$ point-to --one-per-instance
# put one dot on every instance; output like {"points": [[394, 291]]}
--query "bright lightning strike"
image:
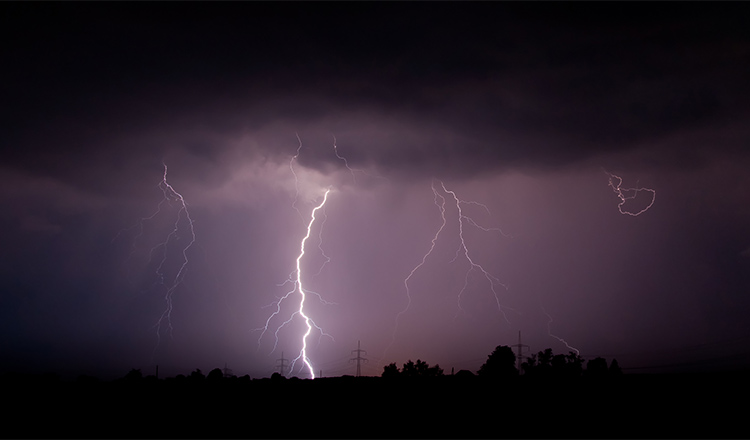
{"points": [[296, 277], [625, 194], [301, 290]]}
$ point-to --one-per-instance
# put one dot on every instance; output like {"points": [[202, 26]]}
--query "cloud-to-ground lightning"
{"points": [[182, 226], [296, 278], [441, 207], [300, 289], [440, 201], [320, 244], [171, 193], [549, 332], [625, 194]]}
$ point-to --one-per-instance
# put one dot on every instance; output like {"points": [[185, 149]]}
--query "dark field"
{"points": [[630, 406]]}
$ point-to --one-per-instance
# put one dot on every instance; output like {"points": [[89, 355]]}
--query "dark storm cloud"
{"points": [[463, 89]]}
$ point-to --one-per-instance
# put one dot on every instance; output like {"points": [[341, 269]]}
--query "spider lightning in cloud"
{"points": [[625, 194]]}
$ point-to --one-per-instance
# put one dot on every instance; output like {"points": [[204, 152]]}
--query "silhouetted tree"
{"points": [[558, 364], [573, 365], [134, 374], [545, 359], [546, 363], [418, 369], [434, 371], [215, 374], [500, 363], [196, 375], [86, 379], [538, 364], [529, 365], [596, 367], [409, 369], [390, 371], [614, 368]]}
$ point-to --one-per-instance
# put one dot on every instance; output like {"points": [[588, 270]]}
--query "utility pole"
{"points": [[282, 364], [358, 359], [227, 371], [520, 352]]}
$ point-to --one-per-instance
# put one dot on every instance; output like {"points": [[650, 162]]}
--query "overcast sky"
{"points": [[524, 112]]}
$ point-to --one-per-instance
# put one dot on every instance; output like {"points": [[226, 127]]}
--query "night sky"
{"points": [[520, 110]]}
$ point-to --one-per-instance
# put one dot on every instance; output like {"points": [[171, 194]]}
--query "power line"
{"points": [[520, 351], [282, 364], [359, 358], [227, 371]]}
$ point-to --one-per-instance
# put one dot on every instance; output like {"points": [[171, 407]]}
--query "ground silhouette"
{"points": [[559, 400]]}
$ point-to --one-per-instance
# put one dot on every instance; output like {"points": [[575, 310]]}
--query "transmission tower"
{"points": [[359, 358], [282, 364], [227, 371], [520, 352]]}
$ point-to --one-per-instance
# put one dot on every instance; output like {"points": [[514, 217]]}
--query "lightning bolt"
{"points": [[343, 159], [308, 322], [352, 170], [320, 246], [183, 222], [440, 201], [171, 194], [296, 180], [549, 332], [491, 279], [441, 207], [298, 288], [625, 194], [296, 279]]}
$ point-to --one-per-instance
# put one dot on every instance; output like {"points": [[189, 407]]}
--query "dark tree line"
{"points": [[501, 363], [197, 375], [411, 369], [546, 363]]}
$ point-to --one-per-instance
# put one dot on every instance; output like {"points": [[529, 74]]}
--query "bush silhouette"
{"points": [[500, 363], [412, 370]]}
